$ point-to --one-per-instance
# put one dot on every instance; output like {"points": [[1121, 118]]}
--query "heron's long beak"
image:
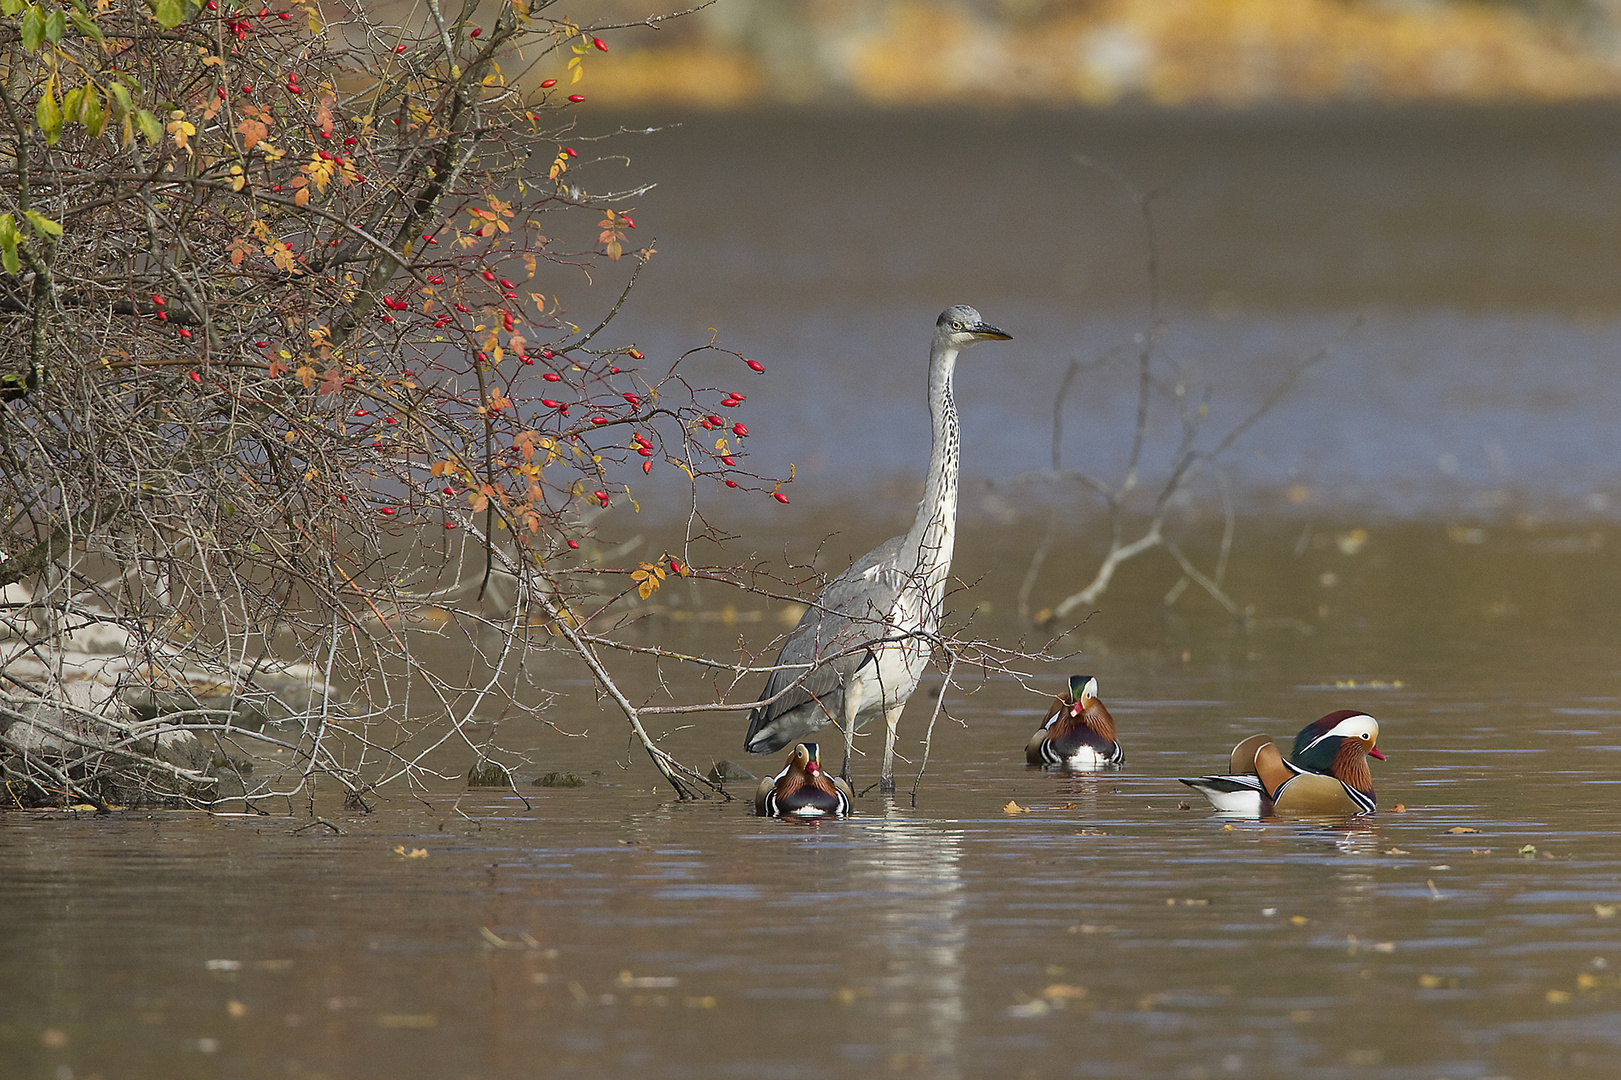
{"points": [[986, 332]]}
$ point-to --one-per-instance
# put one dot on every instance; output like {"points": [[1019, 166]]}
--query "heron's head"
{"points": [[961, 326]]}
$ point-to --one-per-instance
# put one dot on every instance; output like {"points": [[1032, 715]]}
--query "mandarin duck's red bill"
{"points": [[1326, 775], [1077, 733], [802, 789]]}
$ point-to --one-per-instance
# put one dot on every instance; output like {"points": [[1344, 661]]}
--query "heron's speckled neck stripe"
{"points": [[928, 547]]}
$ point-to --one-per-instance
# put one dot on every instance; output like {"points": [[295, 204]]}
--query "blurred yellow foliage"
{"points": [[1230, 53]]}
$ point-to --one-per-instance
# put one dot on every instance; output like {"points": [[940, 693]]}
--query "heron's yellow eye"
{"points": [[956, 326]]}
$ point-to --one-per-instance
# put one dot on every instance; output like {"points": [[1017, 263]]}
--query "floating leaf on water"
{"points": [[1395, 851], [1557, 997], [1299, 920], [414, 853], [1064, 992], [1014, 808], [408, 1020], [1604, 911], [1029, 1010], [1399, 808], [1529, 851], [1458, 829]]}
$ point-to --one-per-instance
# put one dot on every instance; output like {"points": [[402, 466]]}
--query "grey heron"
{"points": [[869, 632]]}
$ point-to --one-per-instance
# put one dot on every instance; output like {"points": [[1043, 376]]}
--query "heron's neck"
{"points": [[929, 541]]}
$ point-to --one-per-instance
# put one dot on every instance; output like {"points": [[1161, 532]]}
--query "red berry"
{"points": [[755, 364], [647, 466], [549, 403], [635, 354], [261, 344], [740, 430], [477, 30], [715, 421], [779, 496], [599, 419], [729, 459], [450, 524], [195, 377], [449, 492], [184, 332], [573, 543], [731, 483], [598, 42], [486, 275], [552, 376], [576, 98], [386, 511], [547, 85]]}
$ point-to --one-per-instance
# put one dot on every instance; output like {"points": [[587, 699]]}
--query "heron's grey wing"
{"points": [[844, 615]]}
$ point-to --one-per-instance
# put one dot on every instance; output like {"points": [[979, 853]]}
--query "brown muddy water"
{"points": [[1117, 927]]}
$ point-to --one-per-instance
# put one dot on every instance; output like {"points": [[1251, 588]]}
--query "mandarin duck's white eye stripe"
{"points": [[1360, 724]]}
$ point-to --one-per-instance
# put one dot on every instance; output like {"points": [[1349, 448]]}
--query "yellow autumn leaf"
{"points": [[1014, 808]]}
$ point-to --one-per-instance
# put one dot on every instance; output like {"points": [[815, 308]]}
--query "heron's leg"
{"points": [[892, 720], [852, 705]]}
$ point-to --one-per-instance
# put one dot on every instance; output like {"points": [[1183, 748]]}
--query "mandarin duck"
{"points": [[1078, 732], [803, 789], [1326, 774]]}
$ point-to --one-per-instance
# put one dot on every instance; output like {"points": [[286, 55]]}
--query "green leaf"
{"points": [[11, 7], [33, 29], [41, 224], [149, 126], [72, 102], [56, 24], [170, 13], [48, 114], [9, 238], [118, 97], [92, 115], [85, 25]]}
